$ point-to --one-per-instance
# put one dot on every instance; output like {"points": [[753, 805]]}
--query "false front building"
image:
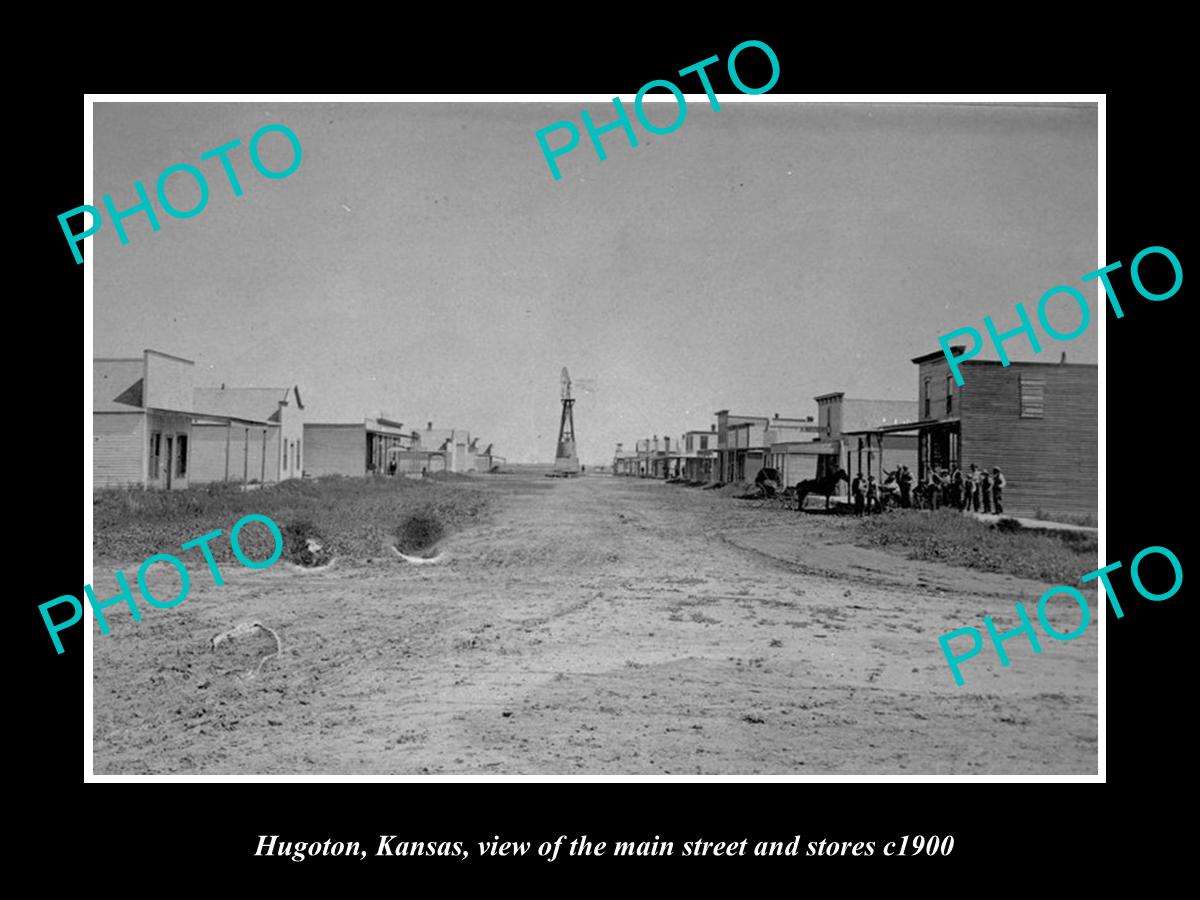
{"points": [[352, 448], [151, 427], [1037, 422]]}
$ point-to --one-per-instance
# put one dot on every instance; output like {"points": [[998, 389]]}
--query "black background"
{"points": [[997, 826]]}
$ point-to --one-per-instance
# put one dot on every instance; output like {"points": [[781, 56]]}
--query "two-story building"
{"points": [[1036, 421], [745, 443], [698, 454]]}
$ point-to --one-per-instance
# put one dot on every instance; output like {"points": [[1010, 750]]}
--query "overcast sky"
{"points": [[422, 261]]}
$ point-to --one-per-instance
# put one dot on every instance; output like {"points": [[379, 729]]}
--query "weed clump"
{"points": [[304, 545], [418, 534]]}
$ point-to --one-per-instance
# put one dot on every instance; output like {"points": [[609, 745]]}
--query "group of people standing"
{"points": [[975, 490], [866, 494]]}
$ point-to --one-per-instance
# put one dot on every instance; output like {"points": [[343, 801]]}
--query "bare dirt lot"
{"points": [[596, 625]]}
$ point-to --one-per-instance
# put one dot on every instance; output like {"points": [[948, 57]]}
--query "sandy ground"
{"points": [[597, 625]]}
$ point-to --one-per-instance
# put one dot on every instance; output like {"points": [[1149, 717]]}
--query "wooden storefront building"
{"points": [[1036, 421]]}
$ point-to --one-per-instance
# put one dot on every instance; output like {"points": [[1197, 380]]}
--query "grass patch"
{"points": [[947, 536], [352, 518], [1085, 519]]}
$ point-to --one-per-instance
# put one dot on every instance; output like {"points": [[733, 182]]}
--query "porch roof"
{"points": [[905, 426]]}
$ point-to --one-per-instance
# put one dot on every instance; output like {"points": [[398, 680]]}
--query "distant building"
{"points": [[624, 461], [648, 452], [484, 459], [698, 454], [668, 462], [452, 443], [744, 443], [352, 448], [442, 450], [220, 449]]}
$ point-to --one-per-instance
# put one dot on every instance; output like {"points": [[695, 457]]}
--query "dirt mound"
{"points": [[736, 489], [418, 535]]}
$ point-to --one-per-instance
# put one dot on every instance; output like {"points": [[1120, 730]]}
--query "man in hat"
{"points": [[933, 488], [974, 479], [872, 494], [999, 483], [906, 483]]}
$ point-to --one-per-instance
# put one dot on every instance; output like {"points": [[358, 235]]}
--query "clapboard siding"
{"points": [[1049, 463], [208, 454], [793, 467], [335, 449], [117, 449]]}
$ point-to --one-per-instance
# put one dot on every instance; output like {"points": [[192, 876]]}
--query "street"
{"points": [[598, 625]]}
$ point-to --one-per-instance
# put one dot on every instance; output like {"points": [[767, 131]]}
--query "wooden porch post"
{"points": [[246, 459], [262, 479], [228, 434]]}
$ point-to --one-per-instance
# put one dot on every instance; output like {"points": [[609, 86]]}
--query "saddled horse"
{"points": [[825, 485]]}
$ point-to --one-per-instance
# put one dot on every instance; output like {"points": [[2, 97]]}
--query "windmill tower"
{"points": [[565, 460]]}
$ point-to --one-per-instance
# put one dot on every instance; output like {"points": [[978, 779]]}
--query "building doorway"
{"points": [[939, 448]]}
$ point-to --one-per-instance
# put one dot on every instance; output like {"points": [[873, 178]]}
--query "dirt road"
{"points": [[598, 625]]}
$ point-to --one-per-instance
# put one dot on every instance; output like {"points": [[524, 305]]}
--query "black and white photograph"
{"points": [[519, 437]]}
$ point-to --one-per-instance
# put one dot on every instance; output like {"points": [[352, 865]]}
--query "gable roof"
{"points": [[117, 385], [260, 404]]}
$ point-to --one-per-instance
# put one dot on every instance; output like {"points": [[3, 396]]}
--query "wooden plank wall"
{"points": [[117, 457], [208, 453], [334, 450], [1050, 463]]}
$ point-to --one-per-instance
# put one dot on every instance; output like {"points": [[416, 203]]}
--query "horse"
{"points": [[825, 485]]}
